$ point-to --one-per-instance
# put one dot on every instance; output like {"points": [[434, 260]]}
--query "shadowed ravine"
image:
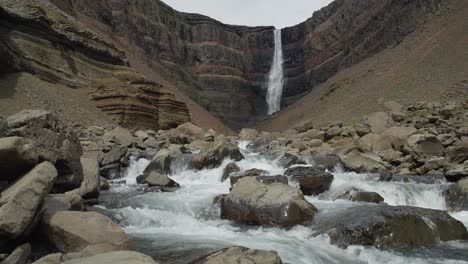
{"points": [[176, 227]]}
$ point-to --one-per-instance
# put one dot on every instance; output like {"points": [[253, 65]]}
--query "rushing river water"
{"points": [[176, 227]]}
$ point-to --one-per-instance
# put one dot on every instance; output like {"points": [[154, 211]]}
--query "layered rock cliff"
{"points": [[343, 34], [222, 67], [40, 39]]}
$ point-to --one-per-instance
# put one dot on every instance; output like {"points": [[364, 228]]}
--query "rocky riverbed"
{"points": [[391, 188]]}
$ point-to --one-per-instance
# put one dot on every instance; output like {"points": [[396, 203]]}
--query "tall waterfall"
{"points": [[275, 78]]}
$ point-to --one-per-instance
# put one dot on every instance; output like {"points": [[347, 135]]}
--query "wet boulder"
{"points": [[230, 168], [312, 180], [20, 255], [235, 177], [457, 196], [20, 202], [214, 154], [248, 134], [17, 156], [269, 179], [253, 202], [356, 195], [84, 231], [236, 255], [91, 185], [162, 161], [54, 142], [288, 160], [389, 227], [261, 144], [458, 153], [156, 179], [457, 172]]}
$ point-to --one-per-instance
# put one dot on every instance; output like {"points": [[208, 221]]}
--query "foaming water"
{"points": [[172, 224], [276, 78]]}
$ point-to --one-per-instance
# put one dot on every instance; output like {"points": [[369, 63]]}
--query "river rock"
{"points": [[425, 145], [253, 202], [457, 196], [230, 168], [235, 177], [20, 201], [312, 180], [191, 130], [361, 196], [61, 202], [457, 172], [374, 142], [388, 227], [236, 255], [358, 161], [117, 257], [156, 179], [261, 144], [114, 155], [20, 255], [214, 154], [287, 160], [458, 153], [269, 179], [91, 185], [163, 159], [248, 134], [119, 136], [54, 141], [378, 122], [84, 231], [50, 259], [17, 156]]}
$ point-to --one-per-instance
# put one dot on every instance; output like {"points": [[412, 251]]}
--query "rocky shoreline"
{"points": [[52, 175]]}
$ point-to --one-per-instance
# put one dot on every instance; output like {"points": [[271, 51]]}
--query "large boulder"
{"points": [[54, 141], [236, 255], [17, 156], [375, 142], [358, 161], [20, 255], [457, 196], [117, 257], [230, 168], [458, 153], [190, 129], [424, 146], [84, 231], [287, 160], [399, 132], [214, 154], [119, 136], [91, 185], [388, 227], [248, 134], [356, 195], [235, 177], [20, 201], [156, 179], [253, 202], [162, 161], [312, 180], [378, 122]]}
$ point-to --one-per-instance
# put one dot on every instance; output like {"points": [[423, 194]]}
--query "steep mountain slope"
{"points": [[429, 64]]}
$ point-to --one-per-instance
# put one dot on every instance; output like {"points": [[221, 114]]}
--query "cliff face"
{"points": [[40, 39], [223, 68], [343, 34]]}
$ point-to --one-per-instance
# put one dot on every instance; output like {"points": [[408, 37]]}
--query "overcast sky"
{"points": [[279, 13]]}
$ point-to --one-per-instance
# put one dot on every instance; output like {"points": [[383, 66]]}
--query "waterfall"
{"points": [[275, 78]]}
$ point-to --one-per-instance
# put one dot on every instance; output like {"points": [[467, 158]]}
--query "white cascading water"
{"points": [[276, 78], [175, 225]]}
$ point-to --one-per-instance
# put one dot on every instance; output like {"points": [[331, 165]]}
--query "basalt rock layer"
{"points": [[40, 39]]}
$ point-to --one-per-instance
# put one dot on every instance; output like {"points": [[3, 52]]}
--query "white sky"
{"points": [[278, 13]]}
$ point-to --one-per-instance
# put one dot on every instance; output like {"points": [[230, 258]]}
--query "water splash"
{"points": [[276, 78]]}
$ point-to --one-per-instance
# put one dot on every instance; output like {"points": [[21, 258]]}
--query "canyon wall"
{"points": [[39, 39], [221, 67], [343, 34]]}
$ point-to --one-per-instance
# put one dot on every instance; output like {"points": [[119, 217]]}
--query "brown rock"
{"points": [[190, 129], [312, 180], [236, 255], [17, 156], [248, 134]]}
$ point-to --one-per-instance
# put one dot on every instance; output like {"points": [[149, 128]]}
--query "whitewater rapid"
{"points": [[175, 227], [275, 77]]}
